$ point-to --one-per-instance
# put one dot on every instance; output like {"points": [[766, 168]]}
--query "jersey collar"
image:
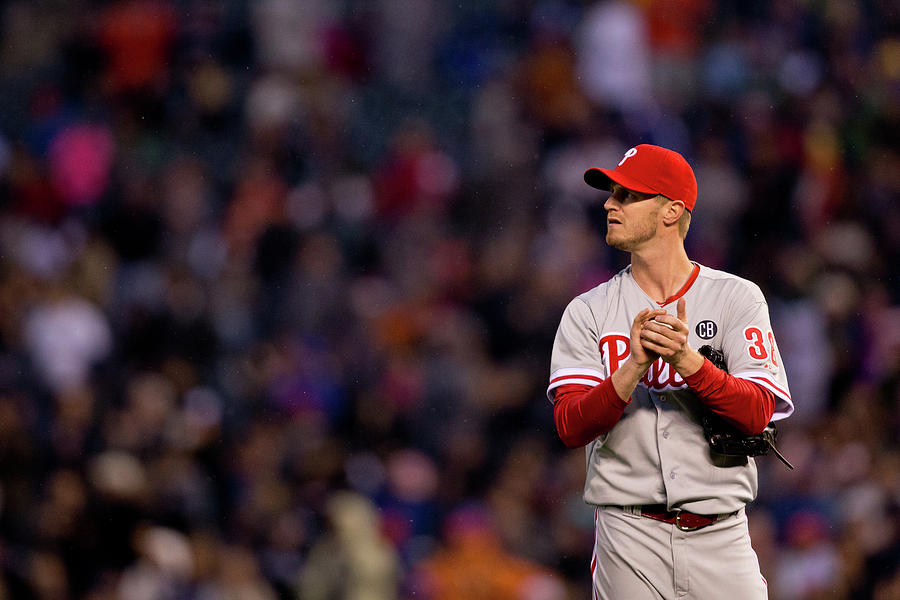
{"points": [[687, 285]]}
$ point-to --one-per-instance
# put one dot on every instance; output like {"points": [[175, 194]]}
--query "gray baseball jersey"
{"points": [[656, 453]]}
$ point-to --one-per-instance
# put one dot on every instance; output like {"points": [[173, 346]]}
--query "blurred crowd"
{"points": [[279, 281]]}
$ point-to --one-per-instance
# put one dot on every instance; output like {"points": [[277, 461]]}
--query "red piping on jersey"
{"points": [[771, 384], [687, 285], [591, 377], [594, 595]]}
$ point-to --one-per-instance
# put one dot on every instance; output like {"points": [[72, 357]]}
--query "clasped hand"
{"points": [[657, 334]]}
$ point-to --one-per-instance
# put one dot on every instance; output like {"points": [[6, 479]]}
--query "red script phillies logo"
{"points": [[616, 348]]}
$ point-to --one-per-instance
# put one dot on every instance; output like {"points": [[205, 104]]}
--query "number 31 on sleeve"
{"points": [[757, 344]]}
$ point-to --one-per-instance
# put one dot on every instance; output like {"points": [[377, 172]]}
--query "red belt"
{"points": [[682, 519]]}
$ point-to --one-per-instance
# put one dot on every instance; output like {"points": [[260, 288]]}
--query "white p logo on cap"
{"points": [[628, 155]]}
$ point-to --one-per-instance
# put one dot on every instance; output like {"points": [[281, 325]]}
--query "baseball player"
{"points": [[628, 384]]}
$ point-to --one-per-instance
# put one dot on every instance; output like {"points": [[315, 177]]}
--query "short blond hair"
{"points": [[684, 223]]}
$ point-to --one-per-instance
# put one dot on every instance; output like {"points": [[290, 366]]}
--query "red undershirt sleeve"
{"points": [[746, 405], [582, 413]]}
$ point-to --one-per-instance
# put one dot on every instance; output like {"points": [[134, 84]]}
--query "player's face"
{"points": [[632, 218]]}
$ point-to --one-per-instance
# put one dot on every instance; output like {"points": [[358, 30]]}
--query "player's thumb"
{"points": [[682, 310]]}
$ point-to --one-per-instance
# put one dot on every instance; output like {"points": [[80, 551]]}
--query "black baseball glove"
{"points": [[724, 438]]}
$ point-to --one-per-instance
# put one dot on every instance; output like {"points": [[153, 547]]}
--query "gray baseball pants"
{"points": [[640, 558]]}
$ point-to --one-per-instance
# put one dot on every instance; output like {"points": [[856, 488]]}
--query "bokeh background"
{"points": [[279, 281]]}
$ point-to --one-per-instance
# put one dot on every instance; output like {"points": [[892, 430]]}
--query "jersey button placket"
{"points": [[667, 465]]}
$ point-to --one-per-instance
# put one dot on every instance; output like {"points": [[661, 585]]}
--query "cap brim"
{"points": [[602, 180]]}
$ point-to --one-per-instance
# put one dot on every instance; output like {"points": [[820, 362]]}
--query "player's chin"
{"points": [[618, 242]]}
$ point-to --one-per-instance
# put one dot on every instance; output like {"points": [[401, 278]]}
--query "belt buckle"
{"points": [[683, 527]]}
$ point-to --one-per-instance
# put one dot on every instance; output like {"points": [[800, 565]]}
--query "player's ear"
{"points": [[673, 211]]}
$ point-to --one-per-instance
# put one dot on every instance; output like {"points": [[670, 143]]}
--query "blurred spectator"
{"points": [[809, 567], [354, 561], [138, 36], [237, 576], [164, 567], [66, 336], [474, 565], [614, 56], [80, 158]]}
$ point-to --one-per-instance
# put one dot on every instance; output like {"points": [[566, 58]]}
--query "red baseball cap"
{"points": [[650, 170]]}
